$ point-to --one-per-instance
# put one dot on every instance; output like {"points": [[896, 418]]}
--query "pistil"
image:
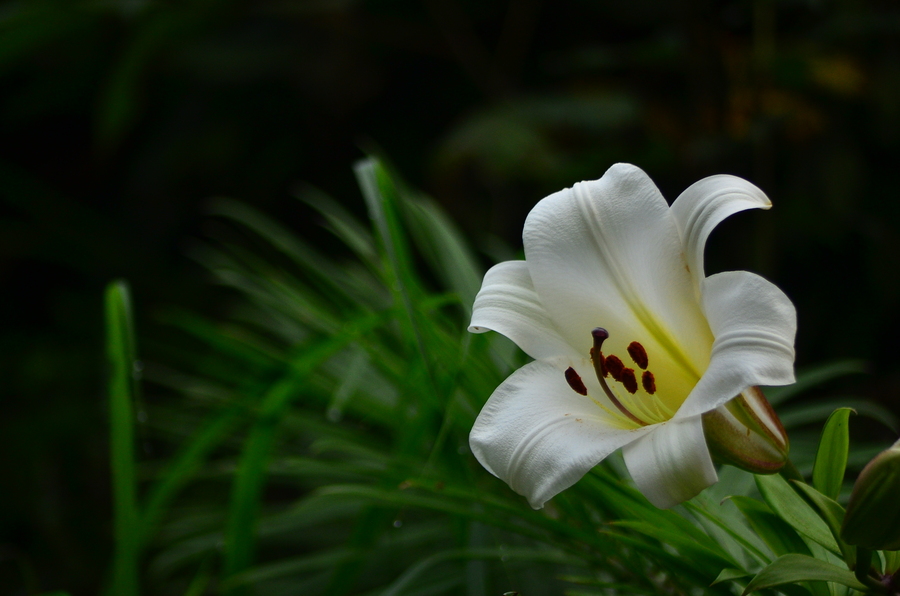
{"points": [[600, 335]]}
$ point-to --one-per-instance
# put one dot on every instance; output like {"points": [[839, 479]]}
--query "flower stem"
{"points": [[790, 472], [862, 568]]}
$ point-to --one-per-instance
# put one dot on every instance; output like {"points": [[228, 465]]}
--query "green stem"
{"points": [[790, 472], [861, 570]]}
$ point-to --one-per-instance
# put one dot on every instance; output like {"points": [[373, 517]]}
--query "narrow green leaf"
{"points": [[202, 579], [701, 505], [341, 223], [831, 458], [791, 507], [833, 515], [730, 574], [626, 502], [781, 538], [790, 569], [778, 535], [689, 548], [251, 473], [381, 197], [318, 561], [447, 252], [468, 505], [184, 465], [120, 352]]}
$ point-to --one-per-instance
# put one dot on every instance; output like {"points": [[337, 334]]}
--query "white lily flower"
{"points": [[631, 342]]}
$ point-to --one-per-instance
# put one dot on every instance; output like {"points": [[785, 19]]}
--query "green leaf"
{"points": [[891, 561], [832, 514], [778, 535], [831, 458], [730, 574], [251, 472], [789, 506], [120, 352], [184, 465], [446, 250], [727, 521], [381, 195], [793, 568], [689, 548]]}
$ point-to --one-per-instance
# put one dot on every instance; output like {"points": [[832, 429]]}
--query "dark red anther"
{"points": [[609, 365], [648, 382], [638, 354], [629, 380], [614, 366], [575, 381]]}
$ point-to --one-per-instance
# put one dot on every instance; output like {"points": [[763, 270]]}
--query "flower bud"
{"points": [[746, 433], [873, 513]]}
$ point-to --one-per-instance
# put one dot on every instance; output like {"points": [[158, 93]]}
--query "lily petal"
{"points": [[539, 436], [672, 464], [508, 304], [754, 324], [608, 253], [703, 205]]}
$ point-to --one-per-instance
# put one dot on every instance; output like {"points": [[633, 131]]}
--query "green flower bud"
{"points": [[746, 433], [873, 513]]}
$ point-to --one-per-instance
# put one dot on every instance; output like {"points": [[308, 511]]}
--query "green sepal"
{"points": [[873, 513]]}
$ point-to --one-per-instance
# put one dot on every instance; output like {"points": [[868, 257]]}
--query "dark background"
{"points": [[120, 120]]}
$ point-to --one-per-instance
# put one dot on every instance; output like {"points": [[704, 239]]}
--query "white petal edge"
{"points": [[607, 253], [539, 436], [754, 324], [703, 205], [508, 304], [671, 464]]}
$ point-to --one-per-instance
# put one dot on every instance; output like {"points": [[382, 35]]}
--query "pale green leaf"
{"points": [[831, 458]]}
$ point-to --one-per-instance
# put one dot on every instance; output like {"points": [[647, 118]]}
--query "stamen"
{"points": [[638, 354], [615, 367], [648, 382], [600, 334], [575, 381], [629, 381]]}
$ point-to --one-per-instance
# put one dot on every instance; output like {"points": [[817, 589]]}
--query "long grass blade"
{"points": [[120, 352]]}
